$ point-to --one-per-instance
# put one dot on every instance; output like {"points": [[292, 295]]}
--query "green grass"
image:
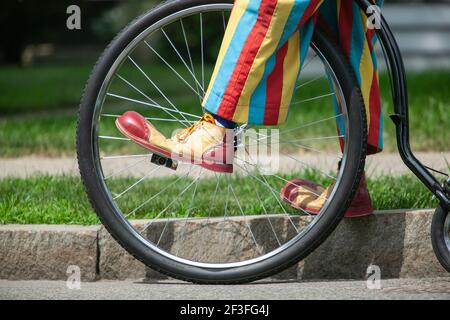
{"points": [[61, 200], [38, 108], [49, 200], [38, 88]]}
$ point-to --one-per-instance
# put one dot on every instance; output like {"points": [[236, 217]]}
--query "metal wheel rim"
{"points": [[98, 165]]}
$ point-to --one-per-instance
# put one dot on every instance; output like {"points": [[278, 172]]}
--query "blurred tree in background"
{"points": [[31, 22], [113, 20], [26, 23], [37, 29]]}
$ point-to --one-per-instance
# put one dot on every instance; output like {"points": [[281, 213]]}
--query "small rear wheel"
{"points": [[440, 236]]}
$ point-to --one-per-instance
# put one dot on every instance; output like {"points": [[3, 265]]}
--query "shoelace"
{"points": [[183, 134]]}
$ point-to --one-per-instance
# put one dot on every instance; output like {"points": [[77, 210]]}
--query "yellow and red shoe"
{"points": [[311, 197], [204, 143]]}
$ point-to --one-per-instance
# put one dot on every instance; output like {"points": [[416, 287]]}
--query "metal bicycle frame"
{"points": [[400, 117]]}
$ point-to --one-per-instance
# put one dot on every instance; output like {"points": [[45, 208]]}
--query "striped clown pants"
{"points": [[264, 47]]}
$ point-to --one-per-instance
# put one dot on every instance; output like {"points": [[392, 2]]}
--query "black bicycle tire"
{"points": [[440, 248]]}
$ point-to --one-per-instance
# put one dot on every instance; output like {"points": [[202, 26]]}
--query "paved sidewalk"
{"points": [[436, 288], [380, 164]]}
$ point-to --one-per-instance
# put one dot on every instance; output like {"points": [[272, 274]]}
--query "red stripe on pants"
{"points": [[274, 88], [309, 11], [375, 112], [345, 26], [245, 61]]}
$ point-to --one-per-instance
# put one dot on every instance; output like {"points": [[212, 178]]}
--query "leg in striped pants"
{"points": [[264, 46]]}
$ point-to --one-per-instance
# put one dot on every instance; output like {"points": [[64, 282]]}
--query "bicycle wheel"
{"points": [[204, 226], [440, 236]]}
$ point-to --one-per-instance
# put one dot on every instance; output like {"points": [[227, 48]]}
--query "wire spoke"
{"points": [[257, 169], [149, 118], [201, 45], [272, 191], [157, 194], [302, 126], [151, 105], [304, 163], [245, 219], [125, 156], [134, 184], [300, 140], [190, 61], [171, 68], [182, 60], [225, 216], [295, 144], [188, 213], [224, 21], [168, 206], [277, 176], [309, 82], [305, 65], [315, 98], [124, 169], [114, 138], [213, 202], [267, 216], [314, 139], [156, 87]]}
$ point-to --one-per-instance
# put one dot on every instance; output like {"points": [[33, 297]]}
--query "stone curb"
{"points": [[46, 251], [397, 241]]}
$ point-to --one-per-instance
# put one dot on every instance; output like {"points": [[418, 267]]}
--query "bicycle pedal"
{"points": [[163, 161]]}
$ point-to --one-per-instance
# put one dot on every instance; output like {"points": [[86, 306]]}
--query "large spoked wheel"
{"points": [[203, 226], [440, 236]]}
